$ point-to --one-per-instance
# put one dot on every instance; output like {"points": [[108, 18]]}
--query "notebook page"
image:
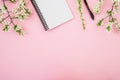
{"points": [[54, 12]]}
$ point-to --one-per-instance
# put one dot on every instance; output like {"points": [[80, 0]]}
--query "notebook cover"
{"points": [[52, 13]]}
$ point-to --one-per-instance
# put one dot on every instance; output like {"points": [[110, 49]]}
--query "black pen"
{"points": [[90, 12]]}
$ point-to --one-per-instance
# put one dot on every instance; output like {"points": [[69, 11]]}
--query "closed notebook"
{"points": [[52, 12]]}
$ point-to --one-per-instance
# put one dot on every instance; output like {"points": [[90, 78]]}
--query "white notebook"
{"points": [[52, 12]]}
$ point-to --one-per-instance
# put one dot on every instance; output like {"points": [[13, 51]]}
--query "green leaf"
{"points": [[6, 28], [100, 22], [4, 7], [19, 31], [108, 28], [15, 27], [27, 11], [109, 12]]}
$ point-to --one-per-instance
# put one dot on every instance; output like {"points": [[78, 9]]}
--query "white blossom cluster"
{"points": [[97, 7], [3, 21], [116, 5], [111, 16], [20, 13]]}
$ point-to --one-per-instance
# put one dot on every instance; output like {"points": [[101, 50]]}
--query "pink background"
{"points": [[64, 53]]}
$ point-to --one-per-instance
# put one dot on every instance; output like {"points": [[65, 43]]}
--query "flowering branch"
{"points": [[81, 13], [19, 13], [111, 16]]}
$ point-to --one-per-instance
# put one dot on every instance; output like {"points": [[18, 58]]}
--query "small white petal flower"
{"points": [[117, 26], [97, 7]]}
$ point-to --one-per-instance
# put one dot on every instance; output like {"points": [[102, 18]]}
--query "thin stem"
{"points": [[110, 16], [12, 22], [4, 19], [105, 17]]}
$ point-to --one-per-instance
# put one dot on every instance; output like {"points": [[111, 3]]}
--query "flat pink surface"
{"points": [[64, 53]]}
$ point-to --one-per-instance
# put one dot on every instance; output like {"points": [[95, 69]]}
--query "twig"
{"points": [[12, 22]]}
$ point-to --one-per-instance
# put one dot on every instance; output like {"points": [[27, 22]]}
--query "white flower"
{"points": [[22, 12], [97, 7], [22, 3], [5, 22], [116, 5], [3, 9], [117, 26]]}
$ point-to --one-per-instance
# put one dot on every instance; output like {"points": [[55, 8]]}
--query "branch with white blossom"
{"points": [[19, 13], [111, 15]]}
